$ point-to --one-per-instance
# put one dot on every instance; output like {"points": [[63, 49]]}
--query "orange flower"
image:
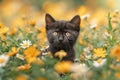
{"points": [[30, 59], [63, 67], [24, 67], [13, 52], [115, 52], [12, 31], [31, 51], [32, 23], [60, 54], [22, 77], [30, 54], [117, 75], [39, 61]]}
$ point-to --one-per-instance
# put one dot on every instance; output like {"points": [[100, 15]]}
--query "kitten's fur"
{"points": [[62, 35]]}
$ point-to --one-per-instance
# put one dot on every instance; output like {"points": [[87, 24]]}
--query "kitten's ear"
{"points": [[76, 20], [49, 19]]}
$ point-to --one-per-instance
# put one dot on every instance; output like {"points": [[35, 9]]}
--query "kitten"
{"points": [[62, 35]]}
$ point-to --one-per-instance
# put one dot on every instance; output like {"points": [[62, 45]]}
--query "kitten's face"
{"points": [[62, 34]]}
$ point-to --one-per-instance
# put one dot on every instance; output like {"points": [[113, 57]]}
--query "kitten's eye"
{"points": [[55, 33], [67, 34]]}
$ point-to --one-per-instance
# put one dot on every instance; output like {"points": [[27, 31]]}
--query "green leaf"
{"points": [[2, 70], [109, 23]]}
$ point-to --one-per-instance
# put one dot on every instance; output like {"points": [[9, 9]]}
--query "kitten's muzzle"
{"points": [[60, 38]]}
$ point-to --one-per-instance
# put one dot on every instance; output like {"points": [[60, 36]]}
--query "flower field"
{"points": [[23, 41]]}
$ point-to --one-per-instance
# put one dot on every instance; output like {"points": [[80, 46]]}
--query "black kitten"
{"points": [[62, 35]]}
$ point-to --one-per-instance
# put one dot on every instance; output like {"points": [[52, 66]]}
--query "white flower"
{"points": [[88, 56], [87, 50], [79, 71], [77, 60], [93, 26], [26, 44], [85, 16], [99, 62], [47, 47], [82, 68], [20, 56], [105, 35], [3, 60], [44, 50], [44, 53]]}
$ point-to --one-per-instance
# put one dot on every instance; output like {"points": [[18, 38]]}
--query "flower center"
{"points": [[99, 61], [26, 45], [2, 60]]}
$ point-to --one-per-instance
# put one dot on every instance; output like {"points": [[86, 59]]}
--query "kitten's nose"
{"points": [[60, 38]]}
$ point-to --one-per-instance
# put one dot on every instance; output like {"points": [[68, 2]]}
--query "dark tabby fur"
{"points": [[62, 35]]}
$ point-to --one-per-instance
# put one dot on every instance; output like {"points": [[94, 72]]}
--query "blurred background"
{"points": [[13, 11], [25, 20]]}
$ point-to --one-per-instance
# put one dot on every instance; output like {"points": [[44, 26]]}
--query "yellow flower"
{"points": [[22, 77], [115, 52], [99, 52], [13, 52], [60, 54], [24, 67], [30, 54], [4, 30], [63, 67]]}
